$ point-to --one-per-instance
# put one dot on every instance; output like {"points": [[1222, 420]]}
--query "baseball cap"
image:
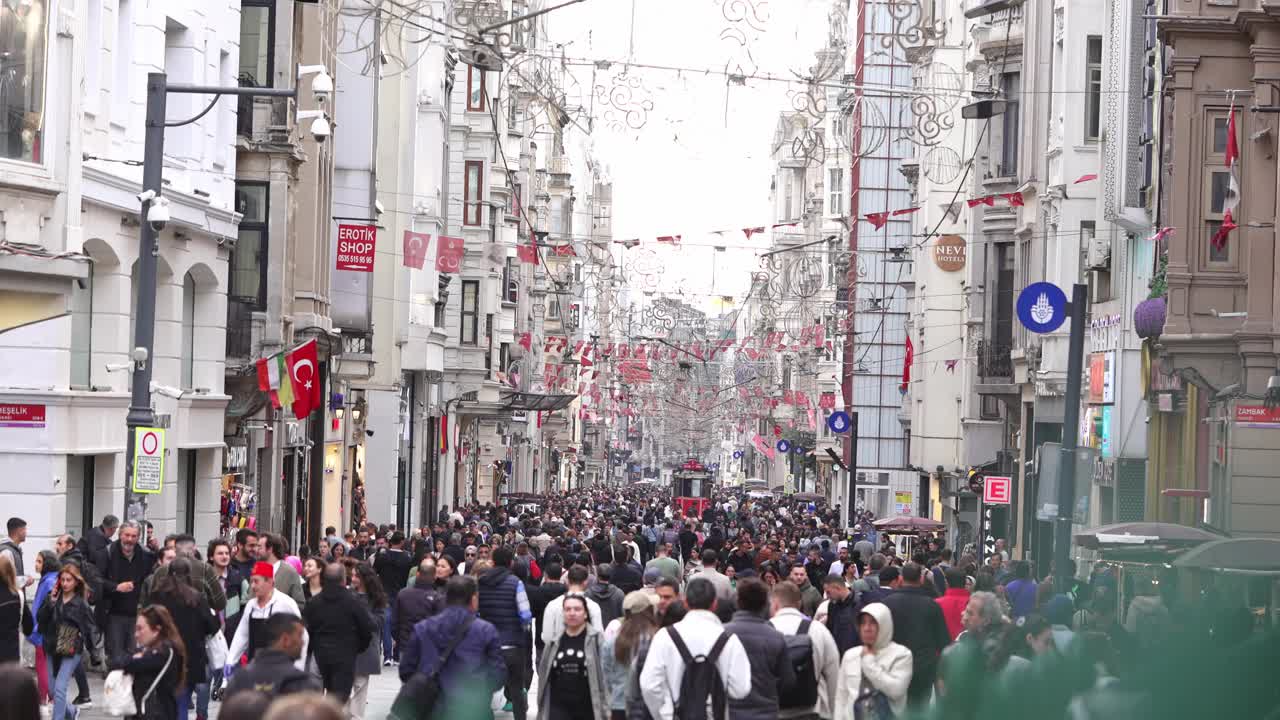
{"points": [[638, 601]]}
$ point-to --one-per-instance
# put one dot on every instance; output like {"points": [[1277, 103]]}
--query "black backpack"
{"points": [[701, 681], [804, 693]]}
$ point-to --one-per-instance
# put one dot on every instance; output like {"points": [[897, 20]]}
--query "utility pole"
{"points": [[154, 215], [1070, 439]]}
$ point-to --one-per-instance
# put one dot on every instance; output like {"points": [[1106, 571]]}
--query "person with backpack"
{"points": [[695, 662], [771, 669], [574, 686], [813, 655], [874, 676]]}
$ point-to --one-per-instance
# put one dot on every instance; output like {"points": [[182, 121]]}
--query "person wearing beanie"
{"points": [[251, 634]]}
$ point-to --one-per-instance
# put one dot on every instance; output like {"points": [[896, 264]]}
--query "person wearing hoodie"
{"points": [[953, 601], [340, 629], [417, 602], [474, 671], [771, 670], [505, 604], [875, 674], [921, 628], [575, 686], [47, 567], [608, 596]]}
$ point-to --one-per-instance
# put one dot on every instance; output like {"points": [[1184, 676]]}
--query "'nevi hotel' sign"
{"points": [[949, 253]]}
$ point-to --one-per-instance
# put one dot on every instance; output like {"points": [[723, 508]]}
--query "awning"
{"points": [[535, 401]]}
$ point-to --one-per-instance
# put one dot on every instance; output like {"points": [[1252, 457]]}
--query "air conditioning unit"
{"points": [[1099, 253]]}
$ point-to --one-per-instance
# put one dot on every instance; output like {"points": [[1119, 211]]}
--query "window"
{"points": [[504, 357], [122, 61], [553, 309], [82, 330], [438, 319], [248, 272], [1093, 90], [1220, 135], [835, 191], [1011, 87], [186, 488], [840, 129], [1088, 231], [188, 349], [786, 373], [470, 312], [257, 38], [517, 201], [1217, 188], [22, 104], [475, 89], [488, 342], [471, 190], [511, 281], [788, 193]]}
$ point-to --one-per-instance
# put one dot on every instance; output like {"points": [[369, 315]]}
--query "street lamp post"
{"points": [[154, 216]]}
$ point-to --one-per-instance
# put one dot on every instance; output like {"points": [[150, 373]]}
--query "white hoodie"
{"points": [[888, 669]]}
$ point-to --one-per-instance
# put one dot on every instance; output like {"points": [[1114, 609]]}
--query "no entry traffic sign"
{"points": [[996, 490], [148, 460]]}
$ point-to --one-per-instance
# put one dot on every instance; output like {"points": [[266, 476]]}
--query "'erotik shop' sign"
{"points": [[356, 246]]}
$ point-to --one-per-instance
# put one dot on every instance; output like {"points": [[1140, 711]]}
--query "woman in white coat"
{"points": [[874, 676]]}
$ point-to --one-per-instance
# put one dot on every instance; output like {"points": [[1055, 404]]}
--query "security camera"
{"points": [[158, 213], [320, 129], [322, 86], [167, 390]]}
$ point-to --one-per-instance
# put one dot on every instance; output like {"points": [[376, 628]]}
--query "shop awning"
{"points": [[535, 401]]}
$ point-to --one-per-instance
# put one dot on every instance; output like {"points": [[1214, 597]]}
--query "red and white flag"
{"points": [[415, 249], [449, 252], [906, 364], [1232, 197]]}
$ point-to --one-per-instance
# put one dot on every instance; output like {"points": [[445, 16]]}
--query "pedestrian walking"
{"points": [[921, 628], [607, 595], [68, 630], [312, 576], [393, 566], [504, 602], [626, 643], [802, 633], [287, 580], [367, 587], [473, 671], [157, 667], [417, 602], [875, 675], [574, 685], [124, 566], [19, 695], [771, 670], [15, 616], [11, 547], [267, 601], [176, 591], [339, 629], [47, 566], [204, 577], [274, 670], [953, 601]]}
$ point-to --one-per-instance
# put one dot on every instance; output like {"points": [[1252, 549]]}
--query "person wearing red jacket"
{"points": [[954, 601]]}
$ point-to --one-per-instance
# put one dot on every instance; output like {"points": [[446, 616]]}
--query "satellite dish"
{"points": [[481, 58]]}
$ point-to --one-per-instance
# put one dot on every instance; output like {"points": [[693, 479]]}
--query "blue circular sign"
{"points": [[784, 446], [1042, 307], [737, 454], [799, 450], [839, 422]]}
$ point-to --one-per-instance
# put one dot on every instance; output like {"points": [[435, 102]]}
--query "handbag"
{"points": [[418, 696], [117, 694], [215, 648], [69, 640], [872, 705]]}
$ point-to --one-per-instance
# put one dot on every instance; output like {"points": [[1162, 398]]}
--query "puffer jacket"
{"points": [[501, 605], [888, 669], [595, 676]]}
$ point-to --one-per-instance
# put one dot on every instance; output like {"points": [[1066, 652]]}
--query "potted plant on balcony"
{"points": [[1149, 315]]}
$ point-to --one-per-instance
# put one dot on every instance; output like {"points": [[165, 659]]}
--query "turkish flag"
{"points": [[415, 249], [988, 200], [877, 220], [906, 364], [566, 250], [449, 251], [1014, 198], [528, 253], [304, 374]]}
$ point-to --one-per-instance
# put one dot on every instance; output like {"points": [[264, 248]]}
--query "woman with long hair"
{"points": [[47, 566], [367, 587], [312, 580], [575, 688], [67, 623], [18, 693], [15, 616], [625, 648], [339, 553], [158, 667], [444, 570], [189, 610]]}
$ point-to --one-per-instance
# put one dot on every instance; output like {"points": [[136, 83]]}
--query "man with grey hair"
{"points": [[124, 565], [982, 617]]}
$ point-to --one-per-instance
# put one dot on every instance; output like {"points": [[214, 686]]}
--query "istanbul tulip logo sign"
{"points": [[1042, 307]]}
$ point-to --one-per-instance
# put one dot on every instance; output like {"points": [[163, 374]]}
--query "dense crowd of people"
{"points": [[611, 603]]}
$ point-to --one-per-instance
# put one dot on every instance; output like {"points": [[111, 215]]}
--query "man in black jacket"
{"points": [[771, 670], [95, 542], [541, 595], [272, 671], [123, 565], [392, 565], [920, 626], [340, 630], [417, 603], [626, 575]]}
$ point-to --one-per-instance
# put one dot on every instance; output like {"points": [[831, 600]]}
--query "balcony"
{"points": [[240, 327], [995, 369]]}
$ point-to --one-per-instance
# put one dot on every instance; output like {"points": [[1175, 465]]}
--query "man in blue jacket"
{"points": [[474, 671]]}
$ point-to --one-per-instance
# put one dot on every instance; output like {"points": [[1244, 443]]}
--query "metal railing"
{"points": [[357, 342], [994, 360]]}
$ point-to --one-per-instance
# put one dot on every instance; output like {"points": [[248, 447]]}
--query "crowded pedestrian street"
{"points": [[639, 359]]}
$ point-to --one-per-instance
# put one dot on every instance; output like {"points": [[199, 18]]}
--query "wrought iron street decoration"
{"points": [[746, 21], [474, 15], [626, 101], [913, 28]]}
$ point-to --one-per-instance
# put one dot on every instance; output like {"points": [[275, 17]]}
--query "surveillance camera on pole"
{"points": [[320, 130]]}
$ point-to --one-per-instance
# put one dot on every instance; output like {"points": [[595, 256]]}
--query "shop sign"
{"points": [[1258, 416], [356, 247], [950, 253], [1104, 333], [22, 416], [997, 490], [1104, 473], [1102, 378], [902, 504]]}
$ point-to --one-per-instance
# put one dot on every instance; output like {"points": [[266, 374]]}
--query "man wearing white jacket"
{"points": [[787, 619], [664, 669], [251, 634], [885, 665]]}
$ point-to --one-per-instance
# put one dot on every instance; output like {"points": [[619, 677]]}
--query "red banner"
{"points": [[449, 251], [356, 247], [415, 249]]}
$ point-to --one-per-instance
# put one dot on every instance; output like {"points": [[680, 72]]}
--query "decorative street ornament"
{"points": [[839, 422]]}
